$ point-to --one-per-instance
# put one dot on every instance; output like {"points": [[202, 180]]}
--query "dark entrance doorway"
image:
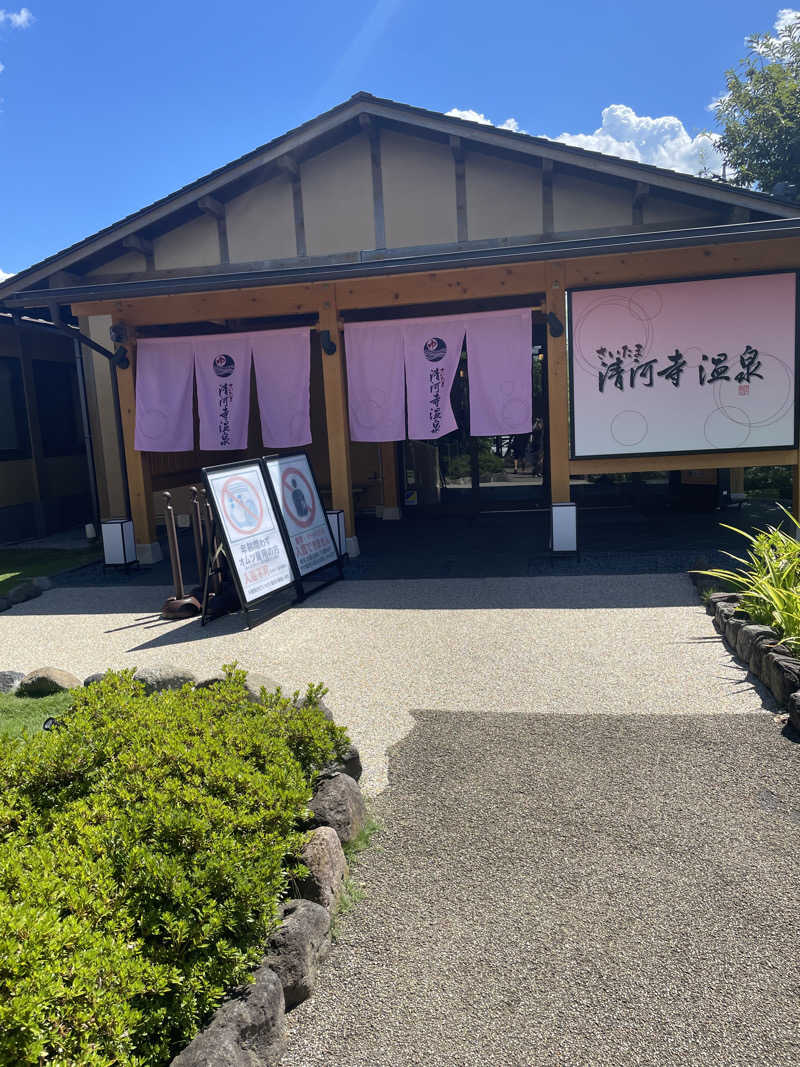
{"points": [[464, 475]]}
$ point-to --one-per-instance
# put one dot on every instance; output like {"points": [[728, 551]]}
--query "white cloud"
{"points": [[18, 20], [662, 142], [470, 115], [4, 276], [786, 16]]}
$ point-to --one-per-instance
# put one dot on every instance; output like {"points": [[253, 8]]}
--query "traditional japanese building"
{"points": [[310, 262]]}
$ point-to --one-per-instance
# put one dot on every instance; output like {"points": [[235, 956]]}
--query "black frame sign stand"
{"points": [[308, 529], [252, 536]]}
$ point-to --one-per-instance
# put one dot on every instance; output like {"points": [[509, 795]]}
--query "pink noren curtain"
{"points": [[282, 361], [164, 378]]}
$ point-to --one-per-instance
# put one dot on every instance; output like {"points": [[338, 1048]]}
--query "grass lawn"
{"points": [[19, 564], [28, 713]]}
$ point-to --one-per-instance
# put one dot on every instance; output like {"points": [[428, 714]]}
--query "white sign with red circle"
{"points": [[302, 510], [257, 550]]}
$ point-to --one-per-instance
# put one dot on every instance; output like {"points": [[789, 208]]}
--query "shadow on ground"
{"points": [[599, 890]]}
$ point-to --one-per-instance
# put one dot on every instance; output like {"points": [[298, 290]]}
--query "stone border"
{"points": [[759, 649], [27, 590], [249, 1028]]}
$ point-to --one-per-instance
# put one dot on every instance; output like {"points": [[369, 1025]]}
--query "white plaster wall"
{"points": [[662, 209], [419, 191], [504, 199], [260, 223], [195, 244], [130, 263], [587, 204], [337, 199]]}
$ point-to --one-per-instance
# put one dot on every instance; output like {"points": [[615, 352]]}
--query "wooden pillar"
{"points": [[391, 490], [140, 487], [796, 488], [557, 386], [34, 430], [336, 417]]}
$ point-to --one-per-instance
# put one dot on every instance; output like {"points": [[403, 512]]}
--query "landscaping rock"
{"points": [[327, 867], [43, 583], [9, 681], [323, 707], [98, 676], [210, 679], [758, 653], [163, 676], [733, 625], [350, 763], [338, 802], [248, 1030], [5, 603], [297, 948], [255, 681], [723, 611], [748, 635], [794, 710], [782, 675], [22, 592], [720, 598], [46, 680]]}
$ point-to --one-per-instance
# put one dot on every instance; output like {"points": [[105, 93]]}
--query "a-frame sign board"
{"points": [[309, 533], [251, 533]]}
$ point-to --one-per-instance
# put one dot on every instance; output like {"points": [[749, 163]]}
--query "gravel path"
{"points": [[572, 890], [588, 853], [573, 645]]}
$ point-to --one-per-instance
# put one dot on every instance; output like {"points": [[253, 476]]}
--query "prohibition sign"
{"points": [[241, 505], [298, 500]]}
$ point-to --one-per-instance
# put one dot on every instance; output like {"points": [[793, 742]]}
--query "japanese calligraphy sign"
{"points": [[254, 543], [222, 373], [306, 522], [683, 367]]}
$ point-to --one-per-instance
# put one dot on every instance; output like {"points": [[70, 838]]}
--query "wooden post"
{"points": [[336, 417], [557, 387], [391, 496], [139, 481], [796, 489]]}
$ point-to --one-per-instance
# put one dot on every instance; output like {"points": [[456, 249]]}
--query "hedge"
{"points": [[144, 847]]}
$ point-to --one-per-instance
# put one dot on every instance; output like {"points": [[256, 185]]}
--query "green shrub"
{"points": [[768, 579], [144, 847], [774, 483]]}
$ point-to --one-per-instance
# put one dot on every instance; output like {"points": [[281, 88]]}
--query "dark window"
{"points": [[15, 442], [57, 404]]}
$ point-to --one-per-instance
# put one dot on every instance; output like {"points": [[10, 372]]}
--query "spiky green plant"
{"points": [[768, 578]]}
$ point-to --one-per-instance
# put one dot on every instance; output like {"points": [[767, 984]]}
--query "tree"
{"points": [[760, 113]]}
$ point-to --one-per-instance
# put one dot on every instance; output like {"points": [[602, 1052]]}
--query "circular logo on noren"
{"points": [[224, 365], [435, 349]]}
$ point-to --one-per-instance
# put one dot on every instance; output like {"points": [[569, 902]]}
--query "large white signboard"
{"points": [[684, 367], [257, 552], [303, 513]]}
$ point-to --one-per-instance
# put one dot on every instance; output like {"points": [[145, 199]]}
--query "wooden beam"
{"points": [[336, 413], [19, 339], [548, 224], [289, 164], [209, 205], [457, 148], [139, 479], [640, 194], [136, 243], [378, 213], [557, 387], [702, 461], [391, 489], [215, 209]]}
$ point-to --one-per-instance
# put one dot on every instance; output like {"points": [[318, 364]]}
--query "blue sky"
{"points": [[104, 107]]}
